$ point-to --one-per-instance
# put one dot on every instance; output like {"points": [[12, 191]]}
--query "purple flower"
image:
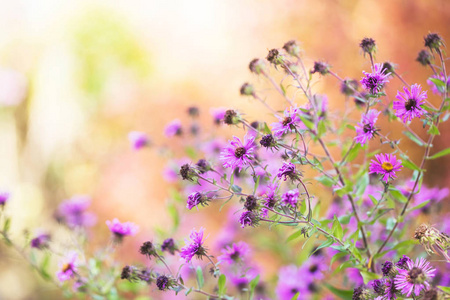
{"points": [[235, 253], [292, 280], [68, 267], [195, 247], [248, 218], [195, 199], [290, 198], [286, 123], [415, 277], [173, 128], [409, 105], [315, 267], [218, 114], [162, 282], [390, 290], [4, 196], [387, 268], [403, 262], [374, 82], [169, 246], [366, 129], [73, 212], [122, 229], [270, 195], [41, 241], [287, 170], [138, 139], [386, 165], [237, 154], [434, 88]]}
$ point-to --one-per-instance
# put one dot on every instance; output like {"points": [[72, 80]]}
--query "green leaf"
{"points": [[408, 163], [174, 214], [437, 82], [188, 291], [337, 228], [354, 152], [326, 181], [236, 188], [413, 138], [433, 130], [222, 284], [440, 154], [419, 206], [307, 123], [397, 195], [446, 289], [327, 243], [368, 276], [343, 294], [7, 225], [295, 297], [200, 278], [252, 285], [293, 236]]}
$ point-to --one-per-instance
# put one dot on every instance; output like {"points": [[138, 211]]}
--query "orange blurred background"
{"points": [[94, 70]]}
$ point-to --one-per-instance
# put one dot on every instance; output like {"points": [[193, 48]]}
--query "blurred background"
{"points": [[77, 76]]}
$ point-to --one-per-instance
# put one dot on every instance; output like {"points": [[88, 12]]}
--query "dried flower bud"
{"points": [[387, 68], [247, 89], [169, 246], [292, 48], [275, 57], [368, 45], [193, 111], [320, 67], [231, 117], [203, 166], [255, 124], [163, 282], [257, 66], [360, 293], [424, 57], [433, 41], [434, 241], [148, 249], [267, 141], [188, 173]]}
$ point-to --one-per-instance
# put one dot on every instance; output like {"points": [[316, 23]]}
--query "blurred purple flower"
{"points": [[173, 128], [4, 197], [290, 198], [415, 277], [434, 88], [195, 247], [292, 280], [366, 129], [138, 139], [67, 267], [218, 114], [73, 212], [248, 218], [235, 253], [122, 229], [41, 241]]}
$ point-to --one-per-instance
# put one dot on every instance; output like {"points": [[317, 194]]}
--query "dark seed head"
{"points": [[368, 45], [267, 141], [424, 57], [321, 68], [433, 41], [251, 203], [292, 48], [239, 152]]}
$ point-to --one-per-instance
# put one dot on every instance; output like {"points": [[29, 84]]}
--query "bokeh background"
{"points": [[77, 76]]}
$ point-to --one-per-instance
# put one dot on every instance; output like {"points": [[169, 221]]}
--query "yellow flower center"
{"points": [[387, 166], [66, 267]]}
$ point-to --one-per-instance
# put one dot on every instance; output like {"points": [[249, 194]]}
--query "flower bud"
{"points": [[247, 89], [267, 141], [320, 67], [433, 41], [275, 57], [231, 117], [203, 166], [251, 203], [169, 246], [424, 57], [368, 45], [387, 68], [188, 173], [257, 66], [361, 293], [193, 111], [349, 86], [148, 249], [292, 48]]}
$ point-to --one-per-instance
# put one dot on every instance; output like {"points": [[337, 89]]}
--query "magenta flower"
{"points": [[248, 218], [218, 114], [237, 154], [73, 212], [290, 198], [386, 165], [366, 129], [41, 241], [415, 277], [122, 229], [292, 280], [409, 105], [195, 247], [68, 267], [4, 196], [374, 82], [173, 128], [287, 170], [196, 199], [286, 123], [235, 253], [138, 139]]}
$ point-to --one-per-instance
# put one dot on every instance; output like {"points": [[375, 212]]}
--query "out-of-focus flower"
{"points": [[67, 267], [320, 67], [195, 247], [424, 57], [409, 105], [73, 212], [13, 87], [366, 130], [4, 197], [235, 253], [248, 218], [368, 45], [121, 230], [375, 81], [292, 280], [290, 198], [288, 170], [436, 89], [218, 114], [386, 165], [173, 128], [415, 277], [169, 246], [195, 199], [238, 154], [41, 241], [138, 139], [433, 41], [287, 123]]}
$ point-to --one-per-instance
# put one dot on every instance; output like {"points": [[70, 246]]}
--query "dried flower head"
{"points": [[433, 41], [148, 249], [169, 246], [247, 89], [231, 117], [257, 66], [292, 48], [424, 57], [368, 45], [321, 67], [188, 173], [434, 241]]}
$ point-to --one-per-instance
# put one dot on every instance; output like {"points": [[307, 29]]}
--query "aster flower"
{"points": [[366, 129], [374, 82], [292, 280], [41, 241], [173, 128], [248, 218], [315, 267], [238, 154], [218, 114], [269, 196], [196, 199], [288, 170], [162, 282], [388, 268], [268, 141], [4, 196], [195, 247], [122, 229], [290, 198], [389, 289], [235, 253], [251, 203], [409, 105], [148, 249], [138, 139], [169, 246], [415, 277], [403, 262], [73, 212], [286, 123], [438, 89], [386, 165], [67, 267]]}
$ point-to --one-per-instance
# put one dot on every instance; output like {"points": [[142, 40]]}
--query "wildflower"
{"points": [[409, 104], [320, 67], [257, 66], [169, 246], [386, 165], [290, 198], [286, 123], [121, 230], [73, 212], [193, 111], [173, 128], [128, 273], [432, 294], [433, 41], [247, 89], [248, 218], [388, 67], [402, 262], [379, 286], [375, 81], [162, 282], [268, 141], [196, 199], [349, 86], [238, 154], [415, 277], [270, 196], [138, 139], [289, 283], [41, 241], [388, 268], [4, 197], [218, 115], [235, 253], [360, 293], [315, 267], [368, 45], [292, 48], [231, 117], [148, 249], [203, 166], [251, 203], [67, 267], [195, 247], [431, 238], [424, 57], [366, 129], [435, 88], [390, 289], [275, 57], [188, 173]]}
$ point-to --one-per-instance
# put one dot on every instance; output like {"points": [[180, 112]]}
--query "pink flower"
{"points": [[386, 165], [409, 105]]}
